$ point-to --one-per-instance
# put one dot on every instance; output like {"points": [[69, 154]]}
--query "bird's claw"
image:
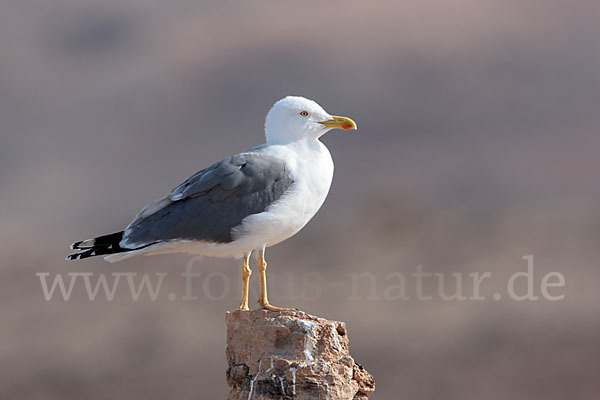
{"points": [[269, 307]]}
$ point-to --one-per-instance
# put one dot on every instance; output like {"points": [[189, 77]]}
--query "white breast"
{"points": [[311, 168]]}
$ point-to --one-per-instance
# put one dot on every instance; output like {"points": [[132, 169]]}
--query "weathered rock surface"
{"points": [[291, 355]]}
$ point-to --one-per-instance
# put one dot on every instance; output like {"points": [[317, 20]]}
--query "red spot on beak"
{"points": [[346, 126]]}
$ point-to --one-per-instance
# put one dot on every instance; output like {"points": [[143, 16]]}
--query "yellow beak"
{"points": [[344, 123]]}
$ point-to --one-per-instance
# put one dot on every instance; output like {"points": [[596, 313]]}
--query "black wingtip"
{"points": [[102, 245], [86, 254]]}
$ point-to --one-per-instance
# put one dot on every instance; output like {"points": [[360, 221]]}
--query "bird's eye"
{"points": [[304, 113]]}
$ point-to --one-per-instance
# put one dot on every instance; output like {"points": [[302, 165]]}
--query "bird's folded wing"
{"points": [[211, 202]]}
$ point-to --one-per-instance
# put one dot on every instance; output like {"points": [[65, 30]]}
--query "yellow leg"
{"points": [[263, 300], [246, 272]]}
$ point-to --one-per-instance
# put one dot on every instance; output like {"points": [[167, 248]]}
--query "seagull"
{"points": [[241, 204]]}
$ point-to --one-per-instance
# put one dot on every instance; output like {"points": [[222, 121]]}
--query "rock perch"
{"points": [[291, 355]]}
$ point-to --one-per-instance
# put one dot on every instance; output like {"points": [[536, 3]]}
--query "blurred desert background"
{"points": [[477, 145]]}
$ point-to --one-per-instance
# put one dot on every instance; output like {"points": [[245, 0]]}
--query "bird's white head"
{"points": [[293, 118]]}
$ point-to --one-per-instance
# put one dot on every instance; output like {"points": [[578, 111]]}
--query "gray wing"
{"points": [[211, 202]]}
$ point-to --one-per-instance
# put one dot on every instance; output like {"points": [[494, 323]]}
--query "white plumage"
{"points": [[293, 138], [240, 204]]}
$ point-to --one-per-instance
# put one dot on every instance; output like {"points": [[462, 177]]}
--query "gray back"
{"points": [[213, 201]]}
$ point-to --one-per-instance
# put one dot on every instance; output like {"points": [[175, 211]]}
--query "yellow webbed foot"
{"points": [[263, 299], [269, 307]]}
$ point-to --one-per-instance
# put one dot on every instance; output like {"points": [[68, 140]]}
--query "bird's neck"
{"points": [[303, 141]]}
